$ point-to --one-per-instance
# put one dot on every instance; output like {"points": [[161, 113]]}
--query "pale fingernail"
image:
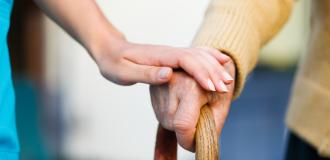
{"points": [[227, 76], [163, 73], [211, 85], [225, 57], [223, 86]]}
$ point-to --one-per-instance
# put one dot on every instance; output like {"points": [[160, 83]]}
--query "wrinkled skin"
{"points": [[177, 105]]}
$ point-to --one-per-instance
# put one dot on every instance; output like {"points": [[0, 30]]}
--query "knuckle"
{"points": [[186, 56], [167, 120], [167, 123], [182, 125], [185, 145], [191, 86], [213, 97]]}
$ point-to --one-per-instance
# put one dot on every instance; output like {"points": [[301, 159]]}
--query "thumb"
{"points": [[148, 74]]}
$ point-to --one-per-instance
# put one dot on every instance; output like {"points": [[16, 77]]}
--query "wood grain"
{"points": [[207, 146]]}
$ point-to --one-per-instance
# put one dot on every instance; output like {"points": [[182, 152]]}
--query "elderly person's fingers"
{"points": [[185, 122], [164, 103]]}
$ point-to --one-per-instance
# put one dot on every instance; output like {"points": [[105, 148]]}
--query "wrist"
{"points": [[104, 44]]}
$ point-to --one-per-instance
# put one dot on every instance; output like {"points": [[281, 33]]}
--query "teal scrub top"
{"points": [[9, 147]]}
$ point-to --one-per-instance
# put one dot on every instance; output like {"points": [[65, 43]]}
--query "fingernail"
{"points": [[224, 55], [223, 86], [211, 85], [163, 73], [227, 77]]}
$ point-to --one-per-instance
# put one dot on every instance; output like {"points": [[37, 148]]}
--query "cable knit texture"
{"points": [[240, 28]]}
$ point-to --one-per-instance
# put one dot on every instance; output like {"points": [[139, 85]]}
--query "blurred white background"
{"points": [[106, 121]]}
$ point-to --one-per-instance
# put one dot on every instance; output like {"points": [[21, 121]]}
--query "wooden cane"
{"points": [[206, 140]]}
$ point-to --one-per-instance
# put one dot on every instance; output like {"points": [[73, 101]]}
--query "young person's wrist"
{"points": [[105, 43]]}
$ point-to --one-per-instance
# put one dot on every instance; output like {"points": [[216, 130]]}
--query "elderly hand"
{"points": [[127, 63], [177, 105]]}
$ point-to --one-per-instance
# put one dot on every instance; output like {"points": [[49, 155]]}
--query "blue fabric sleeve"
{"points": [[9, 146]]}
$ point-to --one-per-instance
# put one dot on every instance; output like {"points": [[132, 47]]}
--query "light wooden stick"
{"points": [[207, 146]]}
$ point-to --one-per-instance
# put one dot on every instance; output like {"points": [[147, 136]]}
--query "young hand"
{"points": [[129, 63]]}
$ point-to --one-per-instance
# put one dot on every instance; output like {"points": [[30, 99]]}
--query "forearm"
{"points": [[83, 20]]}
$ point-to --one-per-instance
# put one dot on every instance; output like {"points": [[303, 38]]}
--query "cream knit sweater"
{"points": [[241, 27]]}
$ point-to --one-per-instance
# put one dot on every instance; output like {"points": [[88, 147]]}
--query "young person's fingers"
{"points": [[215, 71], [190, 61], [183, 59], [198, 70], [155, 56], [221, 57], [218, 68]]}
